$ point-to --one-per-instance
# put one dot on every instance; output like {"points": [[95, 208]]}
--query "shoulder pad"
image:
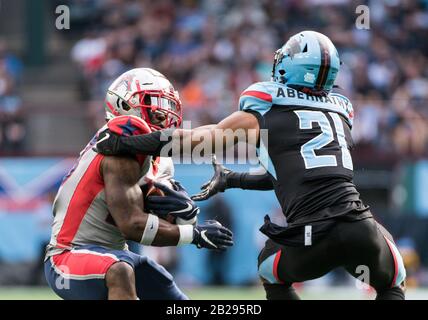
{"points": [[256, 97], [347, 107], [128, 126]]}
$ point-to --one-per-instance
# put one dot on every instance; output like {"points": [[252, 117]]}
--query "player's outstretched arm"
{"points": [[238, 127], [125, 201], [225, 179]]}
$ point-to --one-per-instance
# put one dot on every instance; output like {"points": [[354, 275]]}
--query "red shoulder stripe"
{"points": [[258, 94]]}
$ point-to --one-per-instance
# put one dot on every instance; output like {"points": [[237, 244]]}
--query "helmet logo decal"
{"points": [[126, 81], [309, 77], [128, 128], [293, 48]]}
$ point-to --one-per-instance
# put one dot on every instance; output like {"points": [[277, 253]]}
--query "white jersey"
{"points": [[81, 215]]}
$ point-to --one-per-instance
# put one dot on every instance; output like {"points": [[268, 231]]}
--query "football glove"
{"points": [[218, 182], [176, 203], [212, 235], [108, 144]]}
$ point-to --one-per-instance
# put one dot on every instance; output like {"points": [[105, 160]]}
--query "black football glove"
{"points": [[212, 235], [108, 144], [176, 203], [218, 182]]}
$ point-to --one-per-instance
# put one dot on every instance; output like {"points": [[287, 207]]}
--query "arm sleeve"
{"points": [[246, 180], [154, 144]]}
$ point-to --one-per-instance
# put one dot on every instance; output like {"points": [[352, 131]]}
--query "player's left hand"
{"points": [[212, 235], [218, 182], [176, 202], [108, 143]]}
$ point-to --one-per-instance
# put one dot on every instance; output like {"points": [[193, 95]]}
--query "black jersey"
{"points": [[305, 144]]}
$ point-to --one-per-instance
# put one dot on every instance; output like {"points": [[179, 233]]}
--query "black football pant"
{"points": [[364, 248]]}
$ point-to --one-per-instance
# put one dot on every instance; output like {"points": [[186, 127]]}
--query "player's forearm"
{"points": [[125, 202], [148, 144], [165, 143], [238, 127], [174, 141], [214, 138], [137, 230], [248, 181], [184, 141]]}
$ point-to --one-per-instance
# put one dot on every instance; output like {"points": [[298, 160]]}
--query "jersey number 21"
{"points": [[306, 121]]}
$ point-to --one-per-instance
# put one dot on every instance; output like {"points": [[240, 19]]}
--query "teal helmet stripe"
{"points": [[325, 63]]}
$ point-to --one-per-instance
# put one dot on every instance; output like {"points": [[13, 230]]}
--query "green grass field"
{"points": [[223, 293]]}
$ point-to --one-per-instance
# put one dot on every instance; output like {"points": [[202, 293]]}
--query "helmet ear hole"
{"points": [[281, 72], [125, 106]]}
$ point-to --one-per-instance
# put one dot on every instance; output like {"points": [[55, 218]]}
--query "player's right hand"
{"points": [[218, 182], [212, 235], [175, 203]]}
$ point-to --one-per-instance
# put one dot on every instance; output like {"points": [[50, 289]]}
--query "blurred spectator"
{"points": [[12, 124], [411, 261]]}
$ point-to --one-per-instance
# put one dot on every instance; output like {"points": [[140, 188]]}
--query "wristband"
{"points": [[246, 180], [180, 221], [186, 234], [150, 231], [233, 179]]}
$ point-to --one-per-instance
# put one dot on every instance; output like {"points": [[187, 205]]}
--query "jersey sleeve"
{"points": [[128, 126], [256, 98]]}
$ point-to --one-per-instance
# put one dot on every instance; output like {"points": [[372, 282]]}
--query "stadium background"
{"points": [[52, 83]]}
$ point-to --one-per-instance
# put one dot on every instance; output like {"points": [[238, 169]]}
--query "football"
{"points": [[153, 191]]}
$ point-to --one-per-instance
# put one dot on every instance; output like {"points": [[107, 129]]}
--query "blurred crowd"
{"points": [[212, 50], [12, 124]]}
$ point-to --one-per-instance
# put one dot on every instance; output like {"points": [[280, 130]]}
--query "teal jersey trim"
{"points": [[262, 96], [256, 98]]}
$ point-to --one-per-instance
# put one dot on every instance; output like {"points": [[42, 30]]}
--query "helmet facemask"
{"points": [[279, 55]]}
